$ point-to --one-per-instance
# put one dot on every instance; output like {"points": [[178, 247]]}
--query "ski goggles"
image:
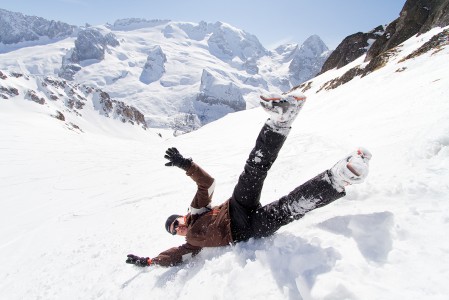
{"points": [[175, 226]]}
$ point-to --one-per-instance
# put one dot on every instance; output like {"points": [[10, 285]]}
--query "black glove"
{"points": [[175, 159], [138, 261]]}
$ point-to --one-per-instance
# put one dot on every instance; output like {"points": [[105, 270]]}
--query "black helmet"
{"points": [[169, 221]]}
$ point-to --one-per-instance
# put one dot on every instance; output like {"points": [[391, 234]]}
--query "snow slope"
{"points": [[74, 204]]}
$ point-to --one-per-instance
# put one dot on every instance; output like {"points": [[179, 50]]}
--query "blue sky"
{"points": [[273, 24]]}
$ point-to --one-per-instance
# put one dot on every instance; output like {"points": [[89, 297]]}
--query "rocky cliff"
{"points": [[351, 48], [91, 43], [417, 16], [63, 97]]}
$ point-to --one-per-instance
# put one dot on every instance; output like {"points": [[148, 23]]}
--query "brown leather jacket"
{"points": [[206, 226]]}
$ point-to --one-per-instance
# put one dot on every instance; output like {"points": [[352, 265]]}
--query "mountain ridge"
{"points": [[165, 83]]}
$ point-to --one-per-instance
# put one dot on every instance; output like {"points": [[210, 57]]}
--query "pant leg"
{"points": [[315, 193], [246, 196], [248, 189]]}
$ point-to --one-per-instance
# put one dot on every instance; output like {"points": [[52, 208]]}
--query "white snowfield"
{"points": [[74, 204]]}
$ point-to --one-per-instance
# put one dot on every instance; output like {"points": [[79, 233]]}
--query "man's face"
{"points": [[179, 226]]}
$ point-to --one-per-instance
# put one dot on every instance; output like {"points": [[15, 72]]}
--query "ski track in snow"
{"points": [[74, 205]]}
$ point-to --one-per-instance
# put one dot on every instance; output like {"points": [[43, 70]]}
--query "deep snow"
{"points": [[74, 204]]}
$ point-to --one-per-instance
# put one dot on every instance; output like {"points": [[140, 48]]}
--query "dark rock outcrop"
{"points": [[71, 98], [91, 43], [416, 17], [117, 109], [351, 48], [8, 92], [436, 43]]}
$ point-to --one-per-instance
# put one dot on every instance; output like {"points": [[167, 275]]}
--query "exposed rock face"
{"points": [[154, 67], [117, 109], [438, 15], [69, 97], [31, 95], [351, 48], [308, 60], [16, 28], [417, 16], [8, 92], [435, 44], [91, 43]]}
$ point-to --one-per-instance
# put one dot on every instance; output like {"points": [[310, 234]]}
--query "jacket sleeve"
{"points": [[176, 255], [206, 185]]}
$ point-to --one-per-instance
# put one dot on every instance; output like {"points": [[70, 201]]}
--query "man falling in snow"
{"points": [[242, 216]]}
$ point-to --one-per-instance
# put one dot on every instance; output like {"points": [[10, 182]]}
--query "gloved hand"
{"points": [[176, 159], [138, 261]]}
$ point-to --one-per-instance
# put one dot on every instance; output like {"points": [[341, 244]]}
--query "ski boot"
{"points": [[282, 109], [353, 169]]}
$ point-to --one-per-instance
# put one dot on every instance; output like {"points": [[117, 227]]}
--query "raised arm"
{"points": [[206, 185], [205, 182]]}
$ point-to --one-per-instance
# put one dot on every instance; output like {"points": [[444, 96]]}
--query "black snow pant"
{"points": [[248, 217]]}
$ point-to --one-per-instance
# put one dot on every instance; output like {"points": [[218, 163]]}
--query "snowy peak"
{"points": [[224, 41], [16, 27], [286, 51], [307, 60], [227, 42], [135, 23], [313, 46]]}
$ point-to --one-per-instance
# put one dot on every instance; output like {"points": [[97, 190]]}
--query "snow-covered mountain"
{"points": [[67, 101], [74, 204], [18, 30], [179, 75], [308, 59]]}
